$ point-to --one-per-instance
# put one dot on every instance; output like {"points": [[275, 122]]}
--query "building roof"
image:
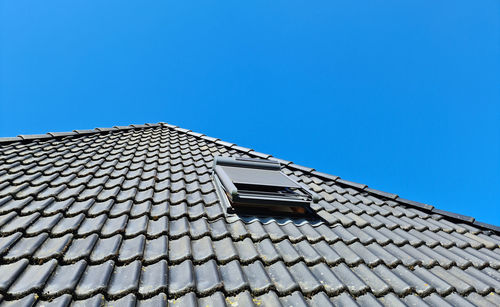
{"points": [[130, 216]]}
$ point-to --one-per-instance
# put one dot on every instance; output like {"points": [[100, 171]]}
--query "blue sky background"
{"points": [[401, 95]]}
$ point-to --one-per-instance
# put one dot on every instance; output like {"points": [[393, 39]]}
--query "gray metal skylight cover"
{"points": [[260, 182], [262, 177]]}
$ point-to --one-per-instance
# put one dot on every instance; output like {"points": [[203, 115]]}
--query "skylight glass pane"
{"points": [[253, 176]]}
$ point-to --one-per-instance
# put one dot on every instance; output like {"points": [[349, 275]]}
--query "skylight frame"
{"points": [[285, 199]]}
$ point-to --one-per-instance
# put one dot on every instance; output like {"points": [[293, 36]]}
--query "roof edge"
{"points": [[361, 187], [57, 135]]}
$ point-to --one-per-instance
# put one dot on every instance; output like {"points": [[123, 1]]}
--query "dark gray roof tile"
{"points": [[120, 208], [18, 223], [158, 227], [26, 301], [287, 252], [197, 229], [35, 206], [376, 284], [125, 279], [126, 301], [67, 225], [64, 279], [267, 251], [443, 260], [380, 252], [58, 206], [91, 225], [233, 277], [493, 298], [368, 300], [256, 231], [113, 226], [43, 224], [94, 279], [392, 300], [479, 286], [257, 277], [181, 278], [178, 227], [60, 301], [179, 249], [218, 229], [307, 282], [224, 250], [420, 286], [107, 193], [10, 272], [100, 207], [154, 278], [441, 286], [216, 299], [106, 248], [247, 251], [487, 276], [136, 226], [80, 207], [25, 247], [52, 248], [294, 299], [461, 286], [207, 278], [80, 248], [347, 254], [413, 300], [399, 286], [436, 300], [9, 204], [355, 285], [132, 249], [32, 279], [331, 284]]}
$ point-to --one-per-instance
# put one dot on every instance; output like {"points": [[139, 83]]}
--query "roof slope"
{"points": [[129, 215]]}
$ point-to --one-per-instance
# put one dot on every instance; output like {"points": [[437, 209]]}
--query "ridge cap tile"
{"points": [[381, 193], [301, 168], [454, 215], [9, 139], [26, 137], [351, 184], [486, 225], [415, 203]]}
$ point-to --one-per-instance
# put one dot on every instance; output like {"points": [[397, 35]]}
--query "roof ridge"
{"points": [[362, 187], [55, 135]]}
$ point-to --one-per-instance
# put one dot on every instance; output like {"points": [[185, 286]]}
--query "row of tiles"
{"points": [[84, 280], [20, 214], [269, 299], [157, 245], [154, 221]]}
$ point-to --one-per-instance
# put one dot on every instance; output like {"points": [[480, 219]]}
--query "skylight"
{"points": [[257, 186]]}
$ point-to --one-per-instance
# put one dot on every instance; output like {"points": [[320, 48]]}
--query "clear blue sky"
{"points": [[401, 95]]}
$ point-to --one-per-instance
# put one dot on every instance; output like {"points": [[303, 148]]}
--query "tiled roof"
{"points": [[130, 216]]}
